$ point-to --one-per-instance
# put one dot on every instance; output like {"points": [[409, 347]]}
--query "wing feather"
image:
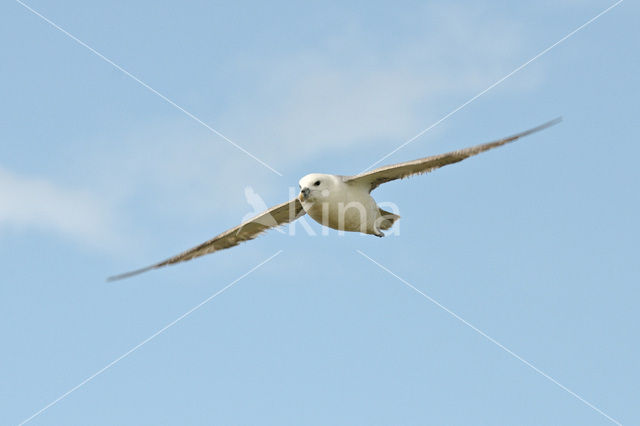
{"points": [[275, 216], [385, 174]]}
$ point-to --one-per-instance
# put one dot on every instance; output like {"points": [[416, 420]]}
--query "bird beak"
{"points": [[304, 193]]}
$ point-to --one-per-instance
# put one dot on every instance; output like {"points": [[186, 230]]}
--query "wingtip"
{"points": [[549, 123], [129, 274], [555, 121], [535, 129]]}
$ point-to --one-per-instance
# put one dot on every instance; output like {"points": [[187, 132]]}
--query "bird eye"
{"points": [[316, 183]]}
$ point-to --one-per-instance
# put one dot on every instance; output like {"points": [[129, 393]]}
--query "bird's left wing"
{"points": [[278, 215], [377, 177]]}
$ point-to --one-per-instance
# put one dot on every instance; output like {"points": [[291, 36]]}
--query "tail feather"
{"points": [[387, 219]]}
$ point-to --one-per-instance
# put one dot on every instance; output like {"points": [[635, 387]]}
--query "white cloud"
{"points": [[355, 89], [37, 203]]}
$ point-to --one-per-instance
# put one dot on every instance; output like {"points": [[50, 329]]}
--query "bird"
{"points": [[339, 202]]}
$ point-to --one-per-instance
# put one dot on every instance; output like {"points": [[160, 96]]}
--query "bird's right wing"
{"points": [[377, 177], [275, 216]]}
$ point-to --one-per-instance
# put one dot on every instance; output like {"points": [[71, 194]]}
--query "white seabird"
{"points": [[339, 202]]}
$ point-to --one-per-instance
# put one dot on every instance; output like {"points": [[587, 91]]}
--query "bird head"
{"points": [[316, 187]]}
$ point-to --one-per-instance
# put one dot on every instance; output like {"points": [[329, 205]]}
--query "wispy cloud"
{"points": [[353, 90], [30, 202]]}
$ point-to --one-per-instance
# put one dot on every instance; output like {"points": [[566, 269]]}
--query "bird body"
{"points": [[339, 202], [333, 202]]}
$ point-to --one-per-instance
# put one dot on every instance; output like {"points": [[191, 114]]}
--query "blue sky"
{"points": [[535, 244]]}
